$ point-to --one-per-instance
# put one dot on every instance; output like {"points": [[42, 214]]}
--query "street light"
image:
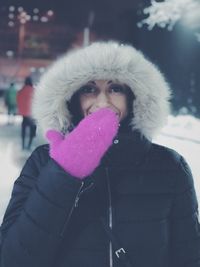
{"points": [[86, 31]]}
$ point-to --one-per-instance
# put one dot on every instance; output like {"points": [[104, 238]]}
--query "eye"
{"points": [[87, 89], [117, 88]]}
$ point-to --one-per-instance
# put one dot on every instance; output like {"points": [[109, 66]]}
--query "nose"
{"points": [[102, 101]]}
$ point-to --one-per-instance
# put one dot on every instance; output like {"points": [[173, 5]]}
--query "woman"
{"points": [[10, 102], [101, 193], [24, 102]]}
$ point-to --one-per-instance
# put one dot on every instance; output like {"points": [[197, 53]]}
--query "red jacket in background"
{"points": [[24, 100]]}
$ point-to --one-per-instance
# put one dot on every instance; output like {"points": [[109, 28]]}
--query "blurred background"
{"points": [[35, 33]]}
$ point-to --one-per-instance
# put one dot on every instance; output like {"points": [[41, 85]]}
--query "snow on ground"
{"points": [[11, 158], [182, 133]]}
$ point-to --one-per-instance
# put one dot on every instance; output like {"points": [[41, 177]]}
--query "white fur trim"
{"points": [[103, 60]]}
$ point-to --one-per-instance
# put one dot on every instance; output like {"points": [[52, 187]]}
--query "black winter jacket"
{"points": [[143, 190]]}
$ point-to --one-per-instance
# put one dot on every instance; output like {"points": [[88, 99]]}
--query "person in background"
{"points": [[24, 103], [10, 102], [101, 193]]}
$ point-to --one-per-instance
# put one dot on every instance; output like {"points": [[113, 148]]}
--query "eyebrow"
{"points": [[93, 82]]}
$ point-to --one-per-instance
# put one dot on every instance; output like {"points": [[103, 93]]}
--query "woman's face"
{"points": [[103, 94]]}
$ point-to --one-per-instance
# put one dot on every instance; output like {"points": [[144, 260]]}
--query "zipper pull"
{"points": [[76, 202], [78, 196], [80, 193]]}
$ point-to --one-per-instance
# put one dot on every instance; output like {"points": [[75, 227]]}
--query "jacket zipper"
{"points": [[81, 192], [110, 219], [72, 209]]}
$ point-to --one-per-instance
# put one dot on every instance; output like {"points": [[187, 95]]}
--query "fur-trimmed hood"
{"points": [[102, 61]]}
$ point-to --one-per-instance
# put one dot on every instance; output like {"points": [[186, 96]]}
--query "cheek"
{"points": [[85, 103], [120, 102]]}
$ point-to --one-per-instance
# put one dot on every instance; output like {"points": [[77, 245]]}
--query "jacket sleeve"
{"points": [[42, 202], [185, 238]]}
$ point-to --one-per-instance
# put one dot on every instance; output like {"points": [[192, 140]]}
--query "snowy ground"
{"points": [[182, 134], [11, 158]]}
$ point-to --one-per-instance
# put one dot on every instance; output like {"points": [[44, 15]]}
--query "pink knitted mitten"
{"points": [[80, 151]]}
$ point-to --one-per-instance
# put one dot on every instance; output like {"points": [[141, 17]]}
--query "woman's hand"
{"points": [[80, 151]]}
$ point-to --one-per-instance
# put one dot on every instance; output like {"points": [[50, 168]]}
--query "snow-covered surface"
{"points": [[182, 133]]}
